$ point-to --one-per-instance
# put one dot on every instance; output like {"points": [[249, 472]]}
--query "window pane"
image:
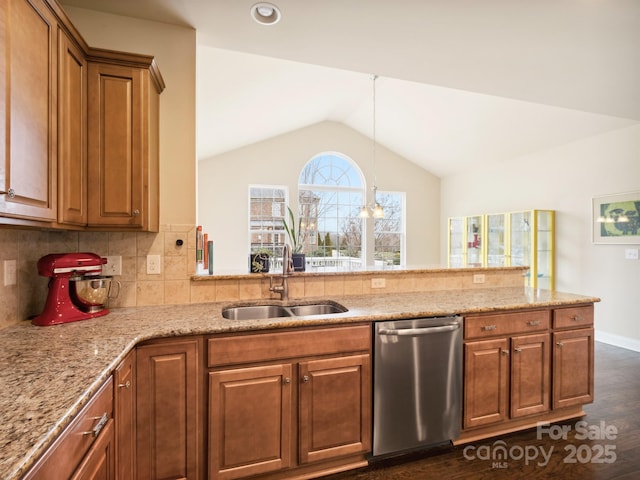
{"points": [[389, 231], [330, 195], [266, 212]]}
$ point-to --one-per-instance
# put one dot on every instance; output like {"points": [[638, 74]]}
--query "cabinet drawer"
{"points": [[573, 317], [66, 453], [263, 347], [506, 324]]}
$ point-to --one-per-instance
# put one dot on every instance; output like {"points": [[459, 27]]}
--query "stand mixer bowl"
{"points": [[91, 293]]}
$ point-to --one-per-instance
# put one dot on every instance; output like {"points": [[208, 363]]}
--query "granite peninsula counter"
{"points": [[47, 374]]}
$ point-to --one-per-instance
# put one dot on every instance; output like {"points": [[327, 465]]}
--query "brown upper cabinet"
{"points": [[123, 147], [28, 103], [78, 126], [72, 133]]}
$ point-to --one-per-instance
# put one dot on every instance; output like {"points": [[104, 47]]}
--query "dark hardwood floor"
{"points": [[617, 404]]}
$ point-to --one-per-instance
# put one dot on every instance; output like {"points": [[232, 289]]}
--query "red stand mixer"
{"points": [[77, 291]]}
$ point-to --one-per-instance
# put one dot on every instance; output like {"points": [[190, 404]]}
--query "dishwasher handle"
{"points": [[414, 332]]}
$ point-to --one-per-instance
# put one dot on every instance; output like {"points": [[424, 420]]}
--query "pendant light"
{"points": [[377, 211]]}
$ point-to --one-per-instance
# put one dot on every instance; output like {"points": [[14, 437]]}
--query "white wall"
{"points": [[566, 179], [174, 49], [223, 188]]}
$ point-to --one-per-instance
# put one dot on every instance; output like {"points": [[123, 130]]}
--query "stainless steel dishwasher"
{"points": [[417, 398]]}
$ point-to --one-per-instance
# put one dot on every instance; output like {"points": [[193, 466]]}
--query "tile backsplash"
{"points": [[26, 299], [174, 285]]}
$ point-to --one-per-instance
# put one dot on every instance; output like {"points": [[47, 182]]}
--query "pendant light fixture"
{"points": [[376, 210]]}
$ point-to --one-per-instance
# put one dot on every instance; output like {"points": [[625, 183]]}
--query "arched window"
{"points": [[331, 190]]}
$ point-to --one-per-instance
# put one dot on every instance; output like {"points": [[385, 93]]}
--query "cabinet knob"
{"points": [[126, 385], [286, 380], [136, 212], [560, 344], [517, 349], [505, 353], [305, 379]]}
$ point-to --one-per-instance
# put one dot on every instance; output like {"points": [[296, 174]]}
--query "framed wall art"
{"points": [[616, 218]]}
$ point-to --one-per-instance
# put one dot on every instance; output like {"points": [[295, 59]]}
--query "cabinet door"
{"points": [[573, 367], [99, 463], [249, 421], [475, 241], [125, 415], [118, 135], [168, 415], [486, 385], [496, 240], [530, 374], [29, 86], [72, 141], [335, 407]]}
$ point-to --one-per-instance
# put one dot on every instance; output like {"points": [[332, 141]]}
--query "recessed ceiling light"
{"points": [[265, 13]]}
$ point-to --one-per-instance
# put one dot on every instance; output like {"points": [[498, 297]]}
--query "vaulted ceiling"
{"points": [[461, 83]]}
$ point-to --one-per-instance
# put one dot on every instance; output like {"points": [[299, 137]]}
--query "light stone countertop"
{"points": [[47, 374]]}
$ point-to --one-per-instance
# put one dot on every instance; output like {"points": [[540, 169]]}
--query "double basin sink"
{"points": [[261, 312]]}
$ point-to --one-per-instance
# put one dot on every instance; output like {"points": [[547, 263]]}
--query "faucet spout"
{"points": [[287, 269], [287, 260]]}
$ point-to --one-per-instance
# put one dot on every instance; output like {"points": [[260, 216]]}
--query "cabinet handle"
{"points": [[517, 349], [576, 318], [287, 380], [11, 193], [505, 352], [488, 328], [305, 379], [136, 212], [95, 431], [560, 344], [126, 385], [533, 323]]}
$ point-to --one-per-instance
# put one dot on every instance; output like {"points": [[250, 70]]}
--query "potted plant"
{"points": [[259, 261], [294, 232]]}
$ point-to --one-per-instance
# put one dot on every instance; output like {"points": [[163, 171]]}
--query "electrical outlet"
{"points": [[9, 272], [378, 282], [113, 266], [631, 253], [153, 265], [478, 278]]}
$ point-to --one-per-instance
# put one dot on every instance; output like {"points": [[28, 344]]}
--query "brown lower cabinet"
{"points": [[526, 366], [250, 415], [86, 448], [125, 407], [169, 416], [99, 463], [310, 411], [573, 361]]}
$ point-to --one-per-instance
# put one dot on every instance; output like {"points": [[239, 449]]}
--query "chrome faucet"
{"points": [[287, 269]]}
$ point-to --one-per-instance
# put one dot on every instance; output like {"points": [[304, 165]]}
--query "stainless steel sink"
{"points": [[260, 312], [255, 312], [317, 309]]}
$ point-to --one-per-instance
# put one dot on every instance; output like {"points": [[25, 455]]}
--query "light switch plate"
{"points": [[9, 272], [113, 265]]}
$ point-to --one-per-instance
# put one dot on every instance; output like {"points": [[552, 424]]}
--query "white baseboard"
{"points": [[618, 340]]}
